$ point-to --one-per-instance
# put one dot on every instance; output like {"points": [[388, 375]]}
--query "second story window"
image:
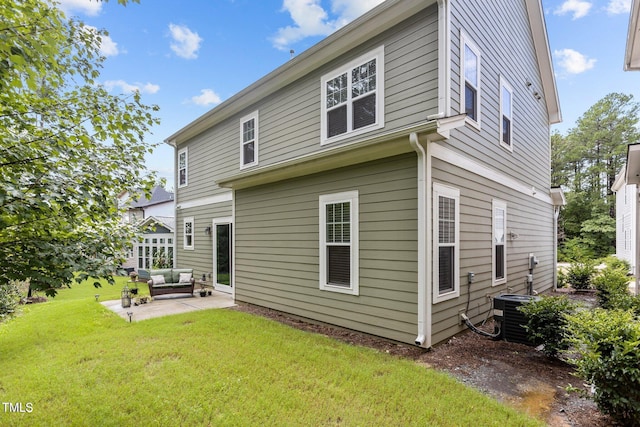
{"points": [[182, 167], [249, 140], [470, 80], [506, 114], [353, 97]]}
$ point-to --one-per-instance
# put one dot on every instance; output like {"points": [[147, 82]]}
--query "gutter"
{"points": [[424, 255]]}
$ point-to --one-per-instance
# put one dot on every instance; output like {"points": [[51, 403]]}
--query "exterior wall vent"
{"points": [[510, 319]]}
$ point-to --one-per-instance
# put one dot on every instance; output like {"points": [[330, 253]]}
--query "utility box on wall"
{"points": [[510, 319]]}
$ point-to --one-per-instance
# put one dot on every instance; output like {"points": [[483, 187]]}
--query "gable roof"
{"points": [[158, 195], [632, 51], [165, 221], [377, 20], [543, 55]]}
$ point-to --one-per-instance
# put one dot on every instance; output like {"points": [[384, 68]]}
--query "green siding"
{"points": [[277, 248], [527, 216], [201, 257], [500, 29]]}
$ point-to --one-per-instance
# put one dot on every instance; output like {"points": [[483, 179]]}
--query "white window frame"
{"points": [[465, 41], [378, 55], [504, 85], [253, 116], [327, 199], [498, 205], [187, 220], [184, 151], [451, 193]]}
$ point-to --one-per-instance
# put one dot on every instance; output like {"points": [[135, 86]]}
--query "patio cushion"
{"points": [[185, 278], [158, 279], [176, 274], [166, 272]]}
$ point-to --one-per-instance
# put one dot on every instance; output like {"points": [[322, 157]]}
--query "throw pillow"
{"points": [[158, 280], [185, 277]]}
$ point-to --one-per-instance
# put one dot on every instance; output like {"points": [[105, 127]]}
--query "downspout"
{"points": [[636, 242], [424, 255], [556, 214]]}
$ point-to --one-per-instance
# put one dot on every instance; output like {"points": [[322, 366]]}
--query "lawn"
{"points": [[72, 362]]}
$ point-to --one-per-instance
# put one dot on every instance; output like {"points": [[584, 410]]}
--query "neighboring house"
{"points": [[155, 218], [387, 179], [627, 181], [626, 217]]}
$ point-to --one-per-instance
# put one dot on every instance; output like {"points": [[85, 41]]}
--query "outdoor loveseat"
{"points": [[171, 281]]}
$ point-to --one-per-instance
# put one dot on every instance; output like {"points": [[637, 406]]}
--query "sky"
{"points": [[188, 56]]}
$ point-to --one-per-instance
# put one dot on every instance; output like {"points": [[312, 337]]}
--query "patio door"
{"points": [[223, 254]]}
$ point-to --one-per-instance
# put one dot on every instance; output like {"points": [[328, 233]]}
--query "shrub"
{"points": [[612, 286], [562, 279], [574, 249], [608, 346], [547, 322], [613, 261], [9, 298], [579, 274]]}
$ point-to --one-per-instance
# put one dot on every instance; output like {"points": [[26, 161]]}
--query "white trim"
{"points": [[227, 196], [184, 233], [217, 221], [504, 84], [324, 200], [233, 245], [495, 205], [444, 58], [256, 140], [451, 193], [378, 55], [466, 41], [450, 156], [184, 150]]}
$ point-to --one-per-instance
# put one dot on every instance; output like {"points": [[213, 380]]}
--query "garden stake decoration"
{"points": [[97, 296], [130, 314]]}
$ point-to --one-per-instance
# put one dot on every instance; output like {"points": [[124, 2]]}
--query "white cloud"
{"points": [[206, 97], [87, 7], [185, 42], [107, 46], [573, 62], [348, 10], [127, 87], [615, 7], [579, 8], [310, 19]]}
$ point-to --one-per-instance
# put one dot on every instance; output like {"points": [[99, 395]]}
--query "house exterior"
{"points": [[155, 219], [387, 179], [626, 218]]}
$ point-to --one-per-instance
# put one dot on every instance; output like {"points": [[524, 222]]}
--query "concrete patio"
{"points": [[165, 305]]}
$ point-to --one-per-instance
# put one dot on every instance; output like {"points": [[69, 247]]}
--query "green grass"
{"points": [[77, 363]]}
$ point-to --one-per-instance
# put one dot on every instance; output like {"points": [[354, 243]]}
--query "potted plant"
{"points": [[133, 276], [203, 291]]}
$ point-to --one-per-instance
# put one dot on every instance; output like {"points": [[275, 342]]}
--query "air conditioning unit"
{"points": [[510, 320]]}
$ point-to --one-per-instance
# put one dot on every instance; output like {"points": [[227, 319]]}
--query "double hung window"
{"points": [[446, 225], [188, 233], [506, 114], [499, 242], [249, 140], [353, 97], [182, 167], [470, 90], [339, 242]]}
